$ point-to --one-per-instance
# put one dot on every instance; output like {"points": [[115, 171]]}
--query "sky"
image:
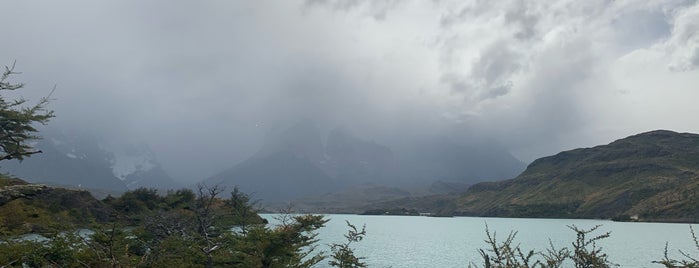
{"points": [[202, 82]]}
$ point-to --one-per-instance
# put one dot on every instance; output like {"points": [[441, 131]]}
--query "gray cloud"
{"points": [[203, 82], [378, 9], [684, 42]]}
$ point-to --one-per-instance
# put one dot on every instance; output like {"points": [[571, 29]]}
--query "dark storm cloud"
{"points": [[203, 82]]}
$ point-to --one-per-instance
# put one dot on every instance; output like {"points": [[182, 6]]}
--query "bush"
{"points": [[507, 254], [688, 262]]}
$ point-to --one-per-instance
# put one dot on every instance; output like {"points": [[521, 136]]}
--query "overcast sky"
{"points": [[202, 81]]}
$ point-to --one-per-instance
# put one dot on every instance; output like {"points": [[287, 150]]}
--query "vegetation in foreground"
{"points": [[585, 253], [183, 228], [188, 228]]}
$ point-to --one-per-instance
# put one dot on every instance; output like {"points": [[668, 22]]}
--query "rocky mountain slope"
{"points": [[651, 176]]}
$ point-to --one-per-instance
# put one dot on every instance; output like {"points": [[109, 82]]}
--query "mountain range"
{"points": [[652, 176], [79, 160], [295, 163]]}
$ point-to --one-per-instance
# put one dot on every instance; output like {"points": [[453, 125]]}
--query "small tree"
{"points": [[207, 220], [343, 255], [586, 254], [292, 243], [243, 209], [17, 121], [507, 254]]}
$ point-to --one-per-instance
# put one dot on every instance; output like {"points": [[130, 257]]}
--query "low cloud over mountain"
{"points": [[295, 162]]}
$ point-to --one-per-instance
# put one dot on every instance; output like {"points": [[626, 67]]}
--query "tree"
{"points": [[292, 243], [207, 219], [244, 213], [586, 254], [506, 254], [185, 228], [343, 255], [17, 120]]}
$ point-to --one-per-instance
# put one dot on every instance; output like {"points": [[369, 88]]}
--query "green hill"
{"points": [[653, 175], [37, 208]]}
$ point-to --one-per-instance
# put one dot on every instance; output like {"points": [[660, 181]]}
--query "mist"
{"points": [[203, 82]]}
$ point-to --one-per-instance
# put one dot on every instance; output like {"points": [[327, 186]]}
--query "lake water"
{"points": [[413, 241]]}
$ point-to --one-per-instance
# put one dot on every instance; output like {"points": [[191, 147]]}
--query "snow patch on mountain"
{"points": [[132, 159]]}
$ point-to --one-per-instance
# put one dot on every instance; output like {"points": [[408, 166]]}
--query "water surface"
{"points": [[413, 241]]}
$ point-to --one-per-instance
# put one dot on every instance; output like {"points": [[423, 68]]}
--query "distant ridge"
{"points": [[652, 176]]}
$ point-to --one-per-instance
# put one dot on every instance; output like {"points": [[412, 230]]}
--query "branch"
{"points": [[17, 155]]}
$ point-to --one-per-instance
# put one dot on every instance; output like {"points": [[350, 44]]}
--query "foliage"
{"points": [[188, 229], [30, 208], [17, 119], [62, 250], [688, 262], [586, 254], [290, 244], [507, 254], [180, 229], [179, 199], [243, 209], [342, 254], [20, 217]]}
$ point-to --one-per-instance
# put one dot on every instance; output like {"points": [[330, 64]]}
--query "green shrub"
{"points": [[688, 262], [507, 254]]}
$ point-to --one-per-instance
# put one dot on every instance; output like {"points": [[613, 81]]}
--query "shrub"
{"points": [[688, 262], [507, 254]]}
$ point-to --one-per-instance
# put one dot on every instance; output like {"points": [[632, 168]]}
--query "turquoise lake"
{"points": [[414, 241]]}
